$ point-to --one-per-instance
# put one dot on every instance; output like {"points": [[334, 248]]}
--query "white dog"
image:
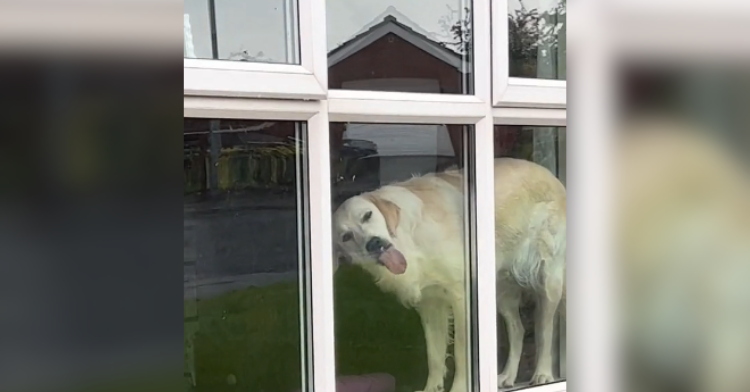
{"points": [[410, 237]]}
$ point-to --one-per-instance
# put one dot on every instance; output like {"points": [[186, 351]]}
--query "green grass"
{"points": [[249, 340]]}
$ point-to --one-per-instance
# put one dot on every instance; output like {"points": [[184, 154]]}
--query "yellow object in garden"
{"points": [[264, 166]]}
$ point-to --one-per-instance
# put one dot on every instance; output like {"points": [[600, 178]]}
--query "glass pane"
{"points": [[537, 35], [257, 31], [530, 210], [245, 255], [407, 45], [400, 236]]}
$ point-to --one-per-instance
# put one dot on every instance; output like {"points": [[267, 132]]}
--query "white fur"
{"points": [[430, 235]]}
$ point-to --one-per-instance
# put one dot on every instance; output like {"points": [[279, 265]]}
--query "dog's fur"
{"points": [[683, 231], [423, 219]]}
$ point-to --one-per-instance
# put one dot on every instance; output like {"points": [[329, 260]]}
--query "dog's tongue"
{"points": [[393, 260]]}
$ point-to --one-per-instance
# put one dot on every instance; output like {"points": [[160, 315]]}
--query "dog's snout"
{"points": [[375, 245]]}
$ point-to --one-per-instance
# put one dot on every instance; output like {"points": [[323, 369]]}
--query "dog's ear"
{"points": [[339, 258], [390, 211], [336, 258]]}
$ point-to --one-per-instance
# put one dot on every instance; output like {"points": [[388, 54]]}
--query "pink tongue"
{"points": [[394, 261]]}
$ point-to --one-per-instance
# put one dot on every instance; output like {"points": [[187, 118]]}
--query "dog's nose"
{"points": [[375, 244]]}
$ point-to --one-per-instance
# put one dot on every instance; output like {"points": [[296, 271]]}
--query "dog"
{"points": [[410, 237], [683, 237]]}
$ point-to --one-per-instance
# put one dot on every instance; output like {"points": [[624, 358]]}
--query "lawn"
{"points": [[249, 340]]}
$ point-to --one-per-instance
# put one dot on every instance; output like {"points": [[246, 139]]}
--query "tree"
{"points": [[243, 55], [528, 31], [457, 25]]}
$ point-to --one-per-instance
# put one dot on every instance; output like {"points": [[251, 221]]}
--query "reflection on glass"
{"points": [[530, 210], [244, 253], [418, 46], [399, 232], [256, 31], [537, 36]]}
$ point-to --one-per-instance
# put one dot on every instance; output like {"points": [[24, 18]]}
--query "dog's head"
{"points": [[364, 231]]}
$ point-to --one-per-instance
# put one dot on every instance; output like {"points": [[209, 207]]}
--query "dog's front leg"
{"points": [[435, 317], [460, 347]]}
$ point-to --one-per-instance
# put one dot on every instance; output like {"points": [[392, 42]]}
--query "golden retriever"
{"points": [[410, 237]]}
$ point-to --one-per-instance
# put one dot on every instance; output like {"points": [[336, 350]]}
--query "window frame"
{"points": [[518, 92], [307, 80], [259, 91]]}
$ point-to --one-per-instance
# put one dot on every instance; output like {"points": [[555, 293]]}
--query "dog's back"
{"points": [[530, 220], [530, 223]]}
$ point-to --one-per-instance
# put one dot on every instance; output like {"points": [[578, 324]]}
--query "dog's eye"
{"points": [[346, 237], [367, 216]]}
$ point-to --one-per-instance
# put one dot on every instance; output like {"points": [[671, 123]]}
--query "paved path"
{"points": [[234, 244], [211, 287]]}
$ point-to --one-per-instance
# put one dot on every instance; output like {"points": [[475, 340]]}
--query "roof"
{"points": [[391, 24], [403, 19]]}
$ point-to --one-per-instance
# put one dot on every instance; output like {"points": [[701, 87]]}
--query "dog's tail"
{"points": [[543, 254]]}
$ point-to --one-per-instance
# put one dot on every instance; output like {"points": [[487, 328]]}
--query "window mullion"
{"points": [[485, 309], [313, 44], [321, 263], [486, 313]]}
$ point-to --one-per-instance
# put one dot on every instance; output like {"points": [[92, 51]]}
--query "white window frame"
{"points": [[308, 80], [222, 89], [518, 92]]}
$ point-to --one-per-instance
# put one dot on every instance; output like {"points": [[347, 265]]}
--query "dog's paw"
{"points": [[459, 386], [542, 378], [433, 388], [506, 380]]}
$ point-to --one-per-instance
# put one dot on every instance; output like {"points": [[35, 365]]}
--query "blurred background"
{"points": [[671, 86], [681, 227]]}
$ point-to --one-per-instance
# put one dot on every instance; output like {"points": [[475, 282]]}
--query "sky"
{"points": [[259, 25]]}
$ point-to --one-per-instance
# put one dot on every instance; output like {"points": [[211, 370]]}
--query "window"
{"points": [[246, 256], [383, 323], [258, 49], [529, 305], [536, 39], [242, 31], [410, 46], [529, 53], [297, 154]]}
